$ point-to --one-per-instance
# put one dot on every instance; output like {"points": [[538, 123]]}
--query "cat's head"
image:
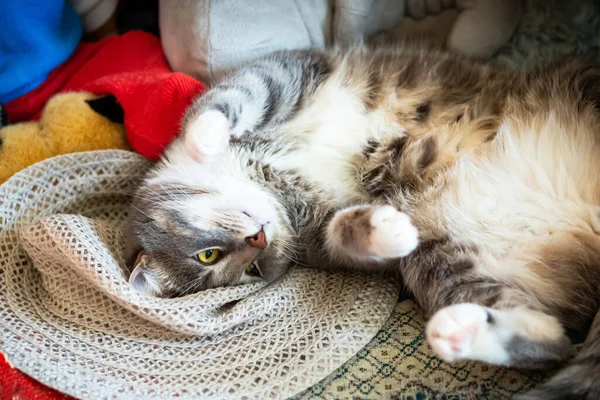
{"points": [[196, 226]]}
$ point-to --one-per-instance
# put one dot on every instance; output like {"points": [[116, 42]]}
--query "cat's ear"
{"points": [[141, 277]]}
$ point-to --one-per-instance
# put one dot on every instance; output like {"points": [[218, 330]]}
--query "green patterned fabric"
{"points": [[399, 364]]}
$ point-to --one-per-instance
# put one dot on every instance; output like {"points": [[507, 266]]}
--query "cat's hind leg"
{"points": [[580, 379], [474, 316], [517, 337]]}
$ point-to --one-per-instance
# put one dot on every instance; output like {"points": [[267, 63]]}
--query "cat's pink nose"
{"points": [[259, 240]]}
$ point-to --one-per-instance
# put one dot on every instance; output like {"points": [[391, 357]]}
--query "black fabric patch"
{"points": [[3, 117], [138, 15], [109, 107]]}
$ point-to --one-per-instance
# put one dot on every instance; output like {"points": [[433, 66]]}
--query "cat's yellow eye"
{"points": [[252, 269], [208, 256]]}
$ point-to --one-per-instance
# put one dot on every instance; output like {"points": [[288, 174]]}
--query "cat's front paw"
{"points": [[392, 235], [207, 136], [373, 232], [454, 332]]}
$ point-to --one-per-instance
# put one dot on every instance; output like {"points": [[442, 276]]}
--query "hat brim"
{"points": [[70, 319]]}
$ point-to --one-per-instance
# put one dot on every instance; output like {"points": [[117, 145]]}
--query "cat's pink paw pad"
{"points": [[453, 330], [207, 136], [393, 234]]}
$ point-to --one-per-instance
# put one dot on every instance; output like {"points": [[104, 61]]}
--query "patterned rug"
{"points": [[398, 364]]}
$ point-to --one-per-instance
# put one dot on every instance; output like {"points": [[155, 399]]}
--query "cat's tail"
{"points": [[580, 379]]}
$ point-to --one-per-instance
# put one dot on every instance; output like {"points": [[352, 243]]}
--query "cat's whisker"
{"points": [[289, 255], [192, 285], [132, 194], [142, 212], [294, 250], [282, 276], [292, 247], [169, 194], [291, 258]]}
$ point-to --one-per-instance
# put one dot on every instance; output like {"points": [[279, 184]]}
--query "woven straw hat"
{"points": [[69, 318]]}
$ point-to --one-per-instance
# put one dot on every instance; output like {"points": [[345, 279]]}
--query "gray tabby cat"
{"points": [[480, 186]]}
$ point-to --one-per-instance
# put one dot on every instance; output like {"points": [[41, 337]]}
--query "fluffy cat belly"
{"points": [[521, 189], [331, 132]]}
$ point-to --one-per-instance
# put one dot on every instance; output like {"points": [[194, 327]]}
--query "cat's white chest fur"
{"points": [[331, 130]]}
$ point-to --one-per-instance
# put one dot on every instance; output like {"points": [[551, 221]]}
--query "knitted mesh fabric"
{"points": [[69, 319]]}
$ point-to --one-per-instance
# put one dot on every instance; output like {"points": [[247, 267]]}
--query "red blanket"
{"points": [[14, 385], [133, 68]]}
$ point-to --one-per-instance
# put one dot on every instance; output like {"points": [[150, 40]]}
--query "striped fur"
{"points": [[479, 186]]}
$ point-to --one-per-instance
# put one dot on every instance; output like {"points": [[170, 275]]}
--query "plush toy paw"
{"points": [[70, 123]]}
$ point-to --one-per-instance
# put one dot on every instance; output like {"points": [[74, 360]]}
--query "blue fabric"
{"points": [[35, 37]]}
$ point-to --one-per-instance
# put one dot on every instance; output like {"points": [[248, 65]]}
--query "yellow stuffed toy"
{"points": [[70, 123]]}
